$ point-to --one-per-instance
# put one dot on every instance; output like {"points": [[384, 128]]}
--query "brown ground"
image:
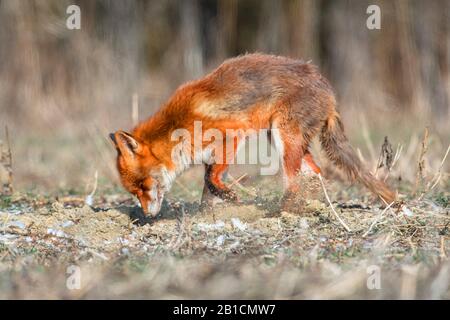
{"points": [[234, 251]]}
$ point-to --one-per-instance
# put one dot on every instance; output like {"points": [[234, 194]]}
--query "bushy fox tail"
{"points": [[341, 153]]}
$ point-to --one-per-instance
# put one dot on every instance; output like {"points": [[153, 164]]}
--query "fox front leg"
{"points": [[214, 187], [207, 200]]}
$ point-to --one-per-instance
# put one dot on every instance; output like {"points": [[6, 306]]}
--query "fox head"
{"points": [[139, 170]]}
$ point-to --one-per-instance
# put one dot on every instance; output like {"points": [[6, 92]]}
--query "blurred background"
{"points": [[62, 91]]}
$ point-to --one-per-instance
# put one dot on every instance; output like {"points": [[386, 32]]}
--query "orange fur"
{"points": [[254, 91]]}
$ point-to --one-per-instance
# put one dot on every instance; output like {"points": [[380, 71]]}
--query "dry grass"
{"points": [[246, 251]]}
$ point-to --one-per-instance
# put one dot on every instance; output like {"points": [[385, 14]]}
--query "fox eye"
{"points": [[143, 187]]}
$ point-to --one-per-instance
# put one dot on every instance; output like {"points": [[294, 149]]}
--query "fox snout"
{"points": [[151, 202]]}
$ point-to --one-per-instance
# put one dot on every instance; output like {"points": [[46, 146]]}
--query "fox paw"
{"points": [[230, 195], [225, 194]]}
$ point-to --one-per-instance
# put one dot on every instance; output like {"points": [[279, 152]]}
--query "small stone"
{"points": [[17, 224], [238, 224], [67, 224], [220, 240]]}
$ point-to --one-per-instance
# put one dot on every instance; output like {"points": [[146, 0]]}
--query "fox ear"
{"points": [[125, 143], [113, 139]]}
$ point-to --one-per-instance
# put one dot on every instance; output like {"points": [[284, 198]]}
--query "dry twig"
{"points": [[437, 176], [378, 218], [331, 205], [421, 162], [6, 184], [240, 186]]}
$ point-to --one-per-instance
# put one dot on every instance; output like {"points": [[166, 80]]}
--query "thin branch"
{"points": [[234, 182], [421, 161], [396, 158], [331, 205], [90, 198], [437, 176], [378, 218], [10, 161], [240, 186]]}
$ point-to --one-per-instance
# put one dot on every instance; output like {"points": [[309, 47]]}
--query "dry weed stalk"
{"points": [[240, 186], [378, 218], [386, 158], [331, 205], [437, 177], [421, 162], [398, 152], [234, 182], [90, 197], [6, 163]]}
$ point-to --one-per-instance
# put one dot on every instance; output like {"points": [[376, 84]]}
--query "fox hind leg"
{"points": [[311, 163], [293, 150], [290, 148]]}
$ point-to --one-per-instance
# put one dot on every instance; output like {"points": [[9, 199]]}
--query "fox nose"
{"points": [[144, 209], [144, 205], [149, 207], [153, 208]]}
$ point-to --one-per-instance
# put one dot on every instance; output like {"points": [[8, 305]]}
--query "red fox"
{"points": [[253, 91]]}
